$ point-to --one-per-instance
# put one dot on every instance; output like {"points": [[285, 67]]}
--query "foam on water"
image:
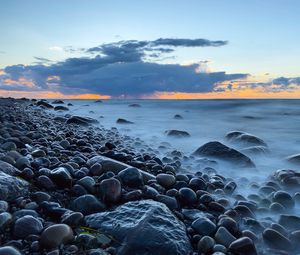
{"points": [[277, 122]]}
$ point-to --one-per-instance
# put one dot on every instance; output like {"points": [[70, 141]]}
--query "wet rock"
{"points": [[244, 138], [9, 146], [61, 108], [243, 246], [166, 180], [44, 104], [73, 219], [9, 250], [58, 102], [5, 220], [275, 240], [206, 244], [170, 202], [131, 177], [7, 168], [38, 153], [177, 133], [123, 121], [224, 237], [142, 226], [220, 151], [61, 177], [84, 121], [284, 199], [134, 105], [204, 226], [290, 222], [56, 235], [12, 187], [110, 190], [178, 117], [187, 197], [87, 204], [27, 225]]}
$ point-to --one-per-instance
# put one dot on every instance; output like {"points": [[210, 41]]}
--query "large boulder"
{"points": [[12, 187], [143, 227], [220, 151]]}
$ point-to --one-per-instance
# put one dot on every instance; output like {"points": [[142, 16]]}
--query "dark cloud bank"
{"points": [[125, 68]]}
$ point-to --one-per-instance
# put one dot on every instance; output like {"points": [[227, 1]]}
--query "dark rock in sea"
{"points": [[244, 138], [44, 104], [295, 159], [178, 117], [291, 222], [9, 250], [220, 151], [131, 177], [276, 240], [123, 121], [170, 202], [26, 226], [72, 219], [143, 227], [287, 178], [243, 246], [259, 150], [87, 204], [61, 108], [284, 199], [206, 245], [166, 180], [187, 197], [84, 121], [134, 105], [58, 102], [98, 101], [12, 187], [177, 133], [55, 235]]}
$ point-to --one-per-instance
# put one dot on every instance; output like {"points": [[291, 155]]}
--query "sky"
{"points": [[150, 49]]}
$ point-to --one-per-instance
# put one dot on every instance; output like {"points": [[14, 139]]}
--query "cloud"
{"points": [[56, 48], [125, 68]]}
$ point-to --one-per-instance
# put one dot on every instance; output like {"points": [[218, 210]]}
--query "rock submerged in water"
{"points": [[134, 105], [58, 102], [177, 133], [84, 121], [61, 108], [143, 227], [44, 104], [245, 138], [123, 121], [218, 150], [295, 159], [178, 117]]}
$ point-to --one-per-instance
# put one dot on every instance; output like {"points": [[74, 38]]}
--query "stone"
{"points": [[7, 168], [177, 133], [110, 190], [83, 121], [5, 220], [38, 153], [131, 177], [243, 246], [44, 104], [123, 121], [61, 108], [187, 197], [204, 226], [134, 105], [141, 227], [55, 235], [87, 204], [244, 138], [27, 225], [284, 199], [166, 180], [73, 219], [9, 146], [224, 237], [276, 240], [206, 244], [291, 222], [61, 177], [220, 151], [170, 202], [12, 187], [9, 250], [178, 117]]}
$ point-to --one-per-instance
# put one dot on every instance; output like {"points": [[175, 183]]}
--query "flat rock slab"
{"points": [[143, 227], [12, 187]]}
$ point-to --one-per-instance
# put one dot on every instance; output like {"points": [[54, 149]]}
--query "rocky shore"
{"points": [[68, 186]]}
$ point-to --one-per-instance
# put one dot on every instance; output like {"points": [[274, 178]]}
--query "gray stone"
{"points": [[224, 237], [7, 168], [204, 226], [27, 225], [87, 204], [9, 250], [56, 235], [143, 227]]}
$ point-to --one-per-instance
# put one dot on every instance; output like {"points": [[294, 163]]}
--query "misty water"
{"points": [[277, 122]]}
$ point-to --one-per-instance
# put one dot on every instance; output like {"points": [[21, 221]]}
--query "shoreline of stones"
{"points": [[68, 187]]}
